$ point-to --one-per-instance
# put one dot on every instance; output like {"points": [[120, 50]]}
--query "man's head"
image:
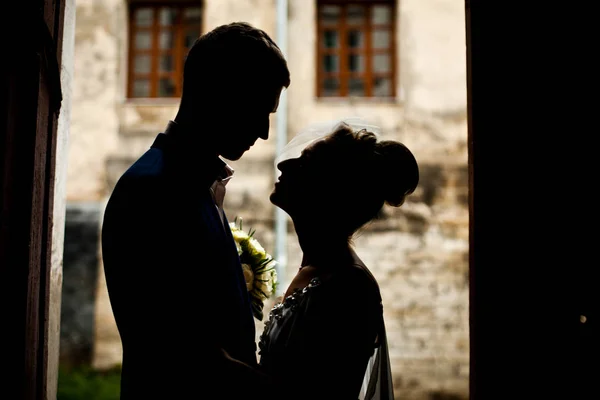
{"points": [[232, 79]]}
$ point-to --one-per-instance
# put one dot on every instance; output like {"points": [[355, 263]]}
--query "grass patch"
{"points": [[85, 383]]}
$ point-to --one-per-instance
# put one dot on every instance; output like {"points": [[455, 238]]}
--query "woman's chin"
{"points": [[276, 200], [273, 198]]}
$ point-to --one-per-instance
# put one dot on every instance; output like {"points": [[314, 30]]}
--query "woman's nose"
{"points": [[283, 165]]}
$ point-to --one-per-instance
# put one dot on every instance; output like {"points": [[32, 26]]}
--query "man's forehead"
{"points": [[276, 105]]}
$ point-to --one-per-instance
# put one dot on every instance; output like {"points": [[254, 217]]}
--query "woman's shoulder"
{"points": [[358, 278], [359, 270]]}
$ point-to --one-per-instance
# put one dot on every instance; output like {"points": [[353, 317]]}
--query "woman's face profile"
{"points": [[301, 184]]}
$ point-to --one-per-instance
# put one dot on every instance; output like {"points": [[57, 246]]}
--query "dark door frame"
{"points": [[30, 102]]}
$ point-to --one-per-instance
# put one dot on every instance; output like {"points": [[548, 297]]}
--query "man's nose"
{"points": [[264, 131]]}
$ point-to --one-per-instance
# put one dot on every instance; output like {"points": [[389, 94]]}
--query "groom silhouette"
{"points": [[173, 274]]}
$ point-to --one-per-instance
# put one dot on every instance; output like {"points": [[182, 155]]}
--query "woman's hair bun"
{"points": [[399, 169]]}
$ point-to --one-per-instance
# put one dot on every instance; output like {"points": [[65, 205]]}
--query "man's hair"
{"points": [[232, 56]]}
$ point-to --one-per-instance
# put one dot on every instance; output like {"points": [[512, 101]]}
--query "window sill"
{"points": [[152, 101], [359, 100]]}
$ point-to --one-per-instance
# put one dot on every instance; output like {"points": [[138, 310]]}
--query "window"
{"points": [[160, 37], [355, 48]]}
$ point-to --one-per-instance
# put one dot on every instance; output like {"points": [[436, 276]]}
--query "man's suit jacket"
{"points": [[174, 277]]}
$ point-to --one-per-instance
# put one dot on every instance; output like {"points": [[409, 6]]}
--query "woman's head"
{"points": [[348, 175]]}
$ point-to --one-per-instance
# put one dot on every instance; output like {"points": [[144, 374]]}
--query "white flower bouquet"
{"points": [[258, 267]]}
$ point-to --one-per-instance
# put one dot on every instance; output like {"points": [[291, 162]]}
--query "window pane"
{"points": [[382, 87], [356, 15], [191, 34], [331, 87], [356, 63], [142, 64], [355, 39], [380, 39], [141, 88], [143, 16], [166, 39], [166, 63], [330, 39], [192, 16], [331, 63], [356, 87], [329, 15], [381, 14], [143, 40], [167, 16], [381, 63], [166, 87]]}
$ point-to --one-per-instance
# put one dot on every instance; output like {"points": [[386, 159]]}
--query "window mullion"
{"points": [[343, 52], [178, 50], [368, 54], [155, 54]]}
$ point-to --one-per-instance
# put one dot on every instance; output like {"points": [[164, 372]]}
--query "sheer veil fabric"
{"points": [[377, 383], [319, 130]]}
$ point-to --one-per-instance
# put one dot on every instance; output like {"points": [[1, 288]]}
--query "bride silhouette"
{"points": [[327, 339]]}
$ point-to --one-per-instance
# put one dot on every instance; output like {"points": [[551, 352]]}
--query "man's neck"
{"points": [[188, 137], [189, 153]]}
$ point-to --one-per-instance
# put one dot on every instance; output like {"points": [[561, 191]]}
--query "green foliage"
{"points": [[85, 383]]}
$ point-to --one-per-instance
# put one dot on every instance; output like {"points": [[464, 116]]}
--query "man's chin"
{"points": [[233, 155]]}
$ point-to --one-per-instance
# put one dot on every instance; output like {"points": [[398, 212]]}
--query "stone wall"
{"points": [[419, 252], [78, 304]]}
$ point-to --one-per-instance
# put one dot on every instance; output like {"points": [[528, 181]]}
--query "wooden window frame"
{"points": [[343, 52], [178, 50]]}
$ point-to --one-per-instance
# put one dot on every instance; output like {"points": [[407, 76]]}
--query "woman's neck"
{"points": [[321, 249]]}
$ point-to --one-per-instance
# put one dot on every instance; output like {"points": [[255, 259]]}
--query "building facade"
{"points": [[399, 64]]}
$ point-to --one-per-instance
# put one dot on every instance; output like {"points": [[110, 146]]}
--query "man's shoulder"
{"points": [[140, 183], [148, 168], [149, 165]]}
